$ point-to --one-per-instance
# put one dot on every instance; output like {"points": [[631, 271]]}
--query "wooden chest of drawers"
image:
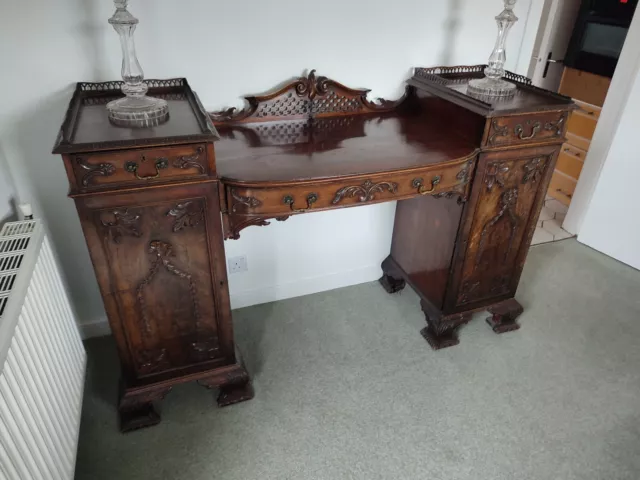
{"points": [[589, 92], [581, 126]]}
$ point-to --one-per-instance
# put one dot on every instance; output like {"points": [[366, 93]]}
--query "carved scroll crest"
{"points": [[557, 127], [495, 174], [305, 97], [249, 202], [190, 161], [187, 214], [365, 192], [126, 224], [533, 169], [99, 170]]}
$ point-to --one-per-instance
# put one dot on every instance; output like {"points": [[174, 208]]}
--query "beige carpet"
{"points": [[346, 388]]}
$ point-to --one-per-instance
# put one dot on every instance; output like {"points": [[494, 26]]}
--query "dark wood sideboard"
{"points": [[155, 205]]}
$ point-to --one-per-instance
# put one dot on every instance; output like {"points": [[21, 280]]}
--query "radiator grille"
{"points": [[42, 360]]}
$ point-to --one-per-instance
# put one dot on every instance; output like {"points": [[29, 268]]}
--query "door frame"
{"points": [[623, 80]]}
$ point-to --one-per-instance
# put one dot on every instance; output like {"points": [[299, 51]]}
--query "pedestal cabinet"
{"points": [[469, 257], [149, 204]]}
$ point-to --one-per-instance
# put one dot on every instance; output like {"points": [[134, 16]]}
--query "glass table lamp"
{"points": [[492, 85], [135, 109]]}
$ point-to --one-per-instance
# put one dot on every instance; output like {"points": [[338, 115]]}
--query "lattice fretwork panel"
{"points": [[334, 103], [285, 105]]}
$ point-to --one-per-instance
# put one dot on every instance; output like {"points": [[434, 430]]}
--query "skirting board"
{"points": [[272, 293], [95, 328]]}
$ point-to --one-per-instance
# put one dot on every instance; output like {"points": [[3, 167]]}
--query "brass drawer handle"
{"points": [[422, 190], [519, 131], [311, 199], [161, 164]]}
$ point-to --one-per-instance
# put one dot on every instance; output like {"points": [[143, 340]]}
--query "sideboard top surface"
{"points": [[313, 127], [87, 127], [297, 150]]}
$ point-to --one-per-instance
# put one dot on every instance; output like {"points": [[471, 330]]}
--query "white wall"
{"points": [[226, 50], [7, 192], [612, 221]]}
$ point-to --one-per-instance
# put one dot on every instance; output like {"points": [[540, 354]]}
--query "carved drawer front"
{"points": [[507, 197], [523, 129], [154, 262], [283, 200], [144, 166]]}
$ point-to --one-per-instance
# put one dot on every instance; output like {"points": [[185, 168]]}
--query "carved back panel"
{"points": [[305, 98], [506, 202]]}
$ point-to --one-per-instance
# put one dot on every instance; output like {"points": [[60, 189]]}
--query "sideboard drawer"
{"points": [[562, 187], [592, 111], [141, 166], [284, 200], [571, 160], [517, 130], [583, 124]]}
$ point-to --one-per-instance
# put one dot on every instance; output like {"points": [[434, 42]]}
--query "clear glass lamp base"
{"points": [[490, 87], [138, 112]]}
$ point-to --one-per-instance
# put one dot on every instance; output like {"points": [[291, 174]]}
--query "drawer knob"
{"points": [[161, 164], [534, 131], [422, 190], [311, 199]]}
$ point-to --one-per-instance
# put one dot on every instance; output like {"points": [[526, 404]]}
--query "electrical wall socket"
{"points": [[237, 264]]}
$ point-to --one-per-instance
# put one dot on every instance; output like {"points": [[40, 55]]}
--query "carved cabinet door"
{"points": [[159, 260], [508, 193]]}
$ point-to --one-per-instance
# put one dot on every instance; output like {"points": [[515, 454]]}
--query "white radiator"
{"points": [[42, 360]]}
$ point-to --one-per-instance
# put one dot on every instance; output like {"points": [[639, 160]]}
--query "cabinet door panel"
{"points": [[506, 200], [155, 256]]}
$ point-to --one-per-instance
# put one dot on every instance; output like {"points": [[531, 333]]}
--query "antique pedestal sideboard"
{"points": [[155, 204]]}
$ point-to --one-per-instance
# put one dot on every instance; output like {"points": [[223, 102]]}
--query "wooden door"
{"points": [[500, 221], [159, 260]]}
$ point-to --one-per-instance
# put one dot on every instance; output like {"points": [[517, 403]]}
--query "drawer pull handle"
{"points": [[520, 131], [422, 190], [568, 150], [311, 199], [161, 164], [562, 192]]}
